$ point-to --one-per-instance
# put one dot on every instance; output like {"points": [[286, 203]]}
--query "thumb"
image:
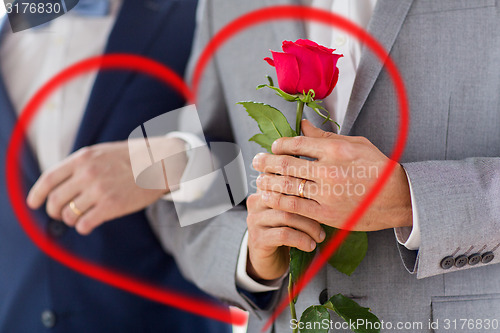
{"points": [[313, 132]]}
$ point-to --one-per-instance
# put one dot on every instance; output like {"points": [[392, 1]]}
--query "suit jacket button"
{"points": [[447, 262], [474, 259], [461, 261], [48, 318], [56, 229], [488, 257], [323, 296]]}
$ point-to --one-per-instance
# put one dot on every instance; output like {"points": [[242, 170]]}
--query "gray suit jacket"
{"points": [[448, 52]]}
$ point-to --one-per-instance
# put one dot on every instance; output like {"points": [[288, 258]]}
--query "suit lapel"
{"points": [[385, 24], [126, 37]]}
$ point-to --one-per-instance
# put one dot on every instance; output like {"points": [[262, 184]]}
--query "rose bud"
{"points": [[305, 65]]}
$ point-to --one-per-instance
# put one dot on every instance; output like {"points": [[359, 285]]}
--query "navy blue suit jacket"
{"points": [[30, 282]]}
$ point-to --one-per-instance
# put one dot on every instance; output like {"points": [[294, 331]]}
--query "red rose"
{"points": [[305, 65]]}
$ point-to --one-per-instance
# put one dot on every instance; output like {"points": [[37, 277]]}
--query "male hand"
{"points": [[100, 183], [344, 170], [270, 234]]}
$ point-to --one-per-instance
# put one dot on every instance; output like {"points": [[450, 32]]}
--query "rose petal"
{"points": [[334, 82], [329, 63], [314, 45], [287, 70], [310, 68], [269, 61]]}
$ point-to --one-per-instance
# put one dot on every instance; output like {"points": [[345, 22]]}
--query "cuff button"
{"points": [[447, 262], [461, 261], [488, 257], [474, 259]]}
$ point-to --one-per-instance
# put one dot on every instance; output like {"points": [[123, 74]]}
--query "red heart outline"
{"points": [[136, 63]]}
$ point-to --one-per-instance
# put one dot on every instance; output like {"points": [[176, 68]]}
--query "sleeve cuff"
{"points": [[409, 237], [244, 281], [187, 193]]}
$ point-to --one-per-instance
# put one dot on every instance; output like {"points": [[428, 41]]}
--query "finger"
{"points": [[287, 185], [90, 220], [46, 183], [82, 204], [312, 131], [273, 218], [276, 237], [255, 204], [299, 146], [284, 165], [291, 204], [60, 197]]}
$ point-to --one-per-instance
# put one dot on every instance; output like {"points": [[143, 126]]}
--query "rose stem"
{"points": [[292, 304], [300, 111]]}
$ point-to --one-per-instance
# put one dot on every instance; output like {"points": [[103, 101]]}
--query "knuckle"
{"points": [[363, 140], [287, 185], [292, 204], [53, 201], [339, 148], [296, 144], [283, 235], [326, 135], [84, 154], [284, 163], [286, 216]]}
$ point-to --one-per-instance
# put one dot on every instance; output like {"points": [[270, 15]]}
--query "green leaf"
{"points": [[299, 262], [350, 253], [312, 320], [271, 121], [286, 96], [263, 140], [352, 312]]}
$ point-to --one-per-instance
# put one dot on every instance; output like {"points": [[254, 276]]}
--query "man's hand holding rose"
{"points": [[344, 170]]}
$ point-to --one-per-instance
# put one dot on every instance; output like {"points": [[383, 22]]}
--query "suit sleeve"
{"points": [[458, 206], [207, 252]]}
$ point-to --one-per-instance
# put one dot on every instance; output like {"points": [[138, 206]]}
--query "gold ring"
{"points": [[301, 187], [74, 209]]}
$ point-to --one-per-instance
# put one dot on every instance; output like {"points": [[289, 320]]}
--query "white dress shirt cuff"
{"points": [[187, 193], [409, 237], [244, 281]]}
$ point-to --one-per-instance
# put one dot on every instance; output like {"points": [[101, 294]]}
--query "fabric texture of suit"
{"points": [[448, 53], [30, 282]]}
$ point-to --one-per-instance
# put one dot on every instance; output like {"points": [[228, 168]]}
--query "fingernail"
{"points": [[274, 145], [259, 180], [256, 159], [322, 235], [313, 245]]}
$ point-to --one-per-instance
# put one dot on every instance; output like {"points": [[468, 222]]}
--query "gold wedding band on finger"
{"points": [[75, 209], [301, 187]]}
